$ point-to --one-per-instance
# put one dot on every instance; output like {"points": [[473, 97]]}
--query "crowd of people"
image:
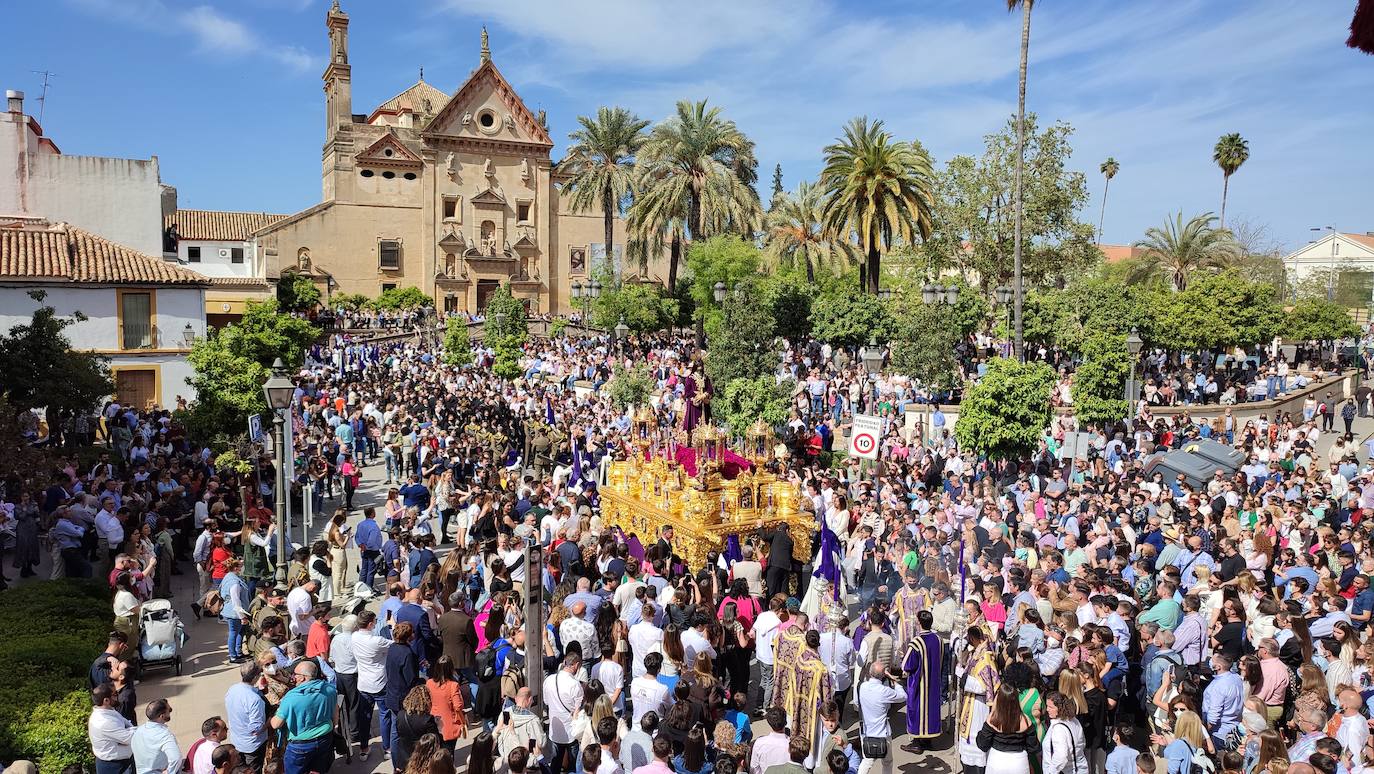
{"points": [[1062, 614]]}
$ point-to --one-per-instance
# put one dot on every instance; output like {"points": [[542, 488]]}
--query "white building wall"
{"points": [[212, 265], [119, 199], [1330, 252], [100, 331]]}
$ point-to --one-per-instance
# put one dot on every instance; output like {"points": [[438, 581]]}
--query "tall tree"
{"points": [[877, 189], [1109, 168], [1230, 153], [41, 368], [974, 211], [777, 181], [1017, 284], [601, 160], [794, 231], [699, 169], [1181, 248]]}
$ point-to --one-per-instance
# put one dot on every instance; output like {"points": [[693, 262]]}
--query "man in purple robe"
{"points": [[921, 662]]}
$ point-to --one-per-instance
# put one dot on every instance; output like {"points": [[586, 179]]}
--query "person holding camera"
{"points": [[877, 695]]}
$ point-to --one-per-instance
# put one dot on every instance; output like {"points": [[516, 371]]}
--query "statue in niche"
{"points": [[525, 170], [487, 168], [467, 118], [452, 166], [510, 121], [506, 246]]}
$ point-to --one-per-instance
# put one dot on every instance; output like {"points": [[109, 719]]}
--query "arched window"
{"points": [[303, 259], [450, 265]]}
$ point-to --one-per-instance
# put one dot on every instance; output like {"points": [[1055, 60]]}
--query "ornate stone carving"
{"points": [[452, 166], [510, 121], [488, 169], [467, 118], [525, 170]]}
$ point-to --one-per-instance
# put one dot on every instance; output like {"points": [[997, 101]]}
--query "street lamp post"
{"points": [[1330, 277], [279, 391], [872, 356], [1133, 346], [1004, 294]]}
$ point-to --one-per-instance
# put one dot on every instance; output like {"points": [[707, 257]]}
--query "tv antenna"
{"points": [[43, 96]]}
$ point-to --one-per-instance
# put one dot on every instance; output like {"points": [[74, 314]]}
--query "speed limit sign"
{"points": [[863, 439]]}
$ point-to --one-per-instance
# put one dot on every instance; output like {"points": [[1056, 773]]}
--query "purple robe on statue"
{"points": [[691, 414], [922, 665]]}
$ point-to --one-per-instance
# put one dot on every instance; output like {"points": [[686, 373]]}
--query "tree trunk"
{"points": [[875, 260], [1103, 214], [1225, 184], [810, 271], [863, 277], [609, 213], [1019, 343], [674, 251]]}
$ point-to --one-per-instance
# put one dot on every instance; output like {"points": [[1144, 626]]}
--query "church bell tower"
{"points": [[338, 101]]}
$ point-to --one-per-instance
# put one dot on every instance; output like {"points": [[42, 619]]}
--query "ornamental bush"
{"points": [[50, 632]]}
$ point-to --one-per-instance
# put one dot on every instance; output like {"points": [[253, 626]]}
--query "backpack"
{"points": [[1200, 763], [486, 662], [212, 604]]}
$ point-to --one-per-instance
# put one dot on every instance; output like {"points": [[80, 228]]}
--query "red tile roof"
{"points": [[63, 253], [219, 225]]}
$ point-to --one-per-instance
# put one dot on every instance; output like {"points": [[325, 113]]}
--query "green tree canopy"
{"points": [[847, 317], [297, 293], [231, 365], [630, 386], [974, 210], [1316, 319], [788, 296], [1099, 382], [402, 298], [457, 346], [743, 347], [1006, 412], [1181, 249], [924, 346], [350, 301], [745, 401], [600, 164], [644, 308], [506, 334], [41, 369]]}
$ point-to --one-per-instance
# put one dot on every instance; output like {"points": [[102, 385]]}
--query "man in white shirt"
{"points": [[644, 638], [647, 693], [369, 653], [1354, 729], [765, 631], [299, 604], [562, 696], [694, 640], [110, 732], [213, 732], [109, 531], [154, 745], [876, 697], [837, 652]]}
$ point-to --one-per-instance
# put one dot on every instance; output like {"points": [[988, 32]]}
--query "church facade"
{"points": [[456, 194]]}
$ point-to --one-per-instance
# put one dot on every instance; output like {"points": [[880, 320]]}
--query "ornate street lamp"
{"points": [[279, 390], [872, 357], [718, 291], [1004, 294], [188, 335], [931, 294], [622, 331], [884, 294]]}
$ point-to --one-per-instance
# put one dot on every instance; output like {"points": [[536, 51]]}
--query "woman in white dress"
{"points": [[1064, 749]]}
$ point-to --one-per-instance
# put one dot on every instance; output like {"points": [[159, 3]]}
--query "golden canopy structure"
{"points": [[653, 489]]}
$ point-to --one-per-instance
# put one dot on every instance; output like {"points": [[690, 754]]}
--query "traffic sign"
{"points": [[863, 437]]}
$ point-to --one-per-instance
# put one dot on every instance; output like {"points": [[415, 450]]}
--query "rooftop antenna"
{"points": [[43, 96], [422, 72]]}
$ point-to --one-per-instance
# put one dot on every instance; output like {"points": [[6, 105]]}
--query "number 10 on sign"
{"points": [[863, 438]]}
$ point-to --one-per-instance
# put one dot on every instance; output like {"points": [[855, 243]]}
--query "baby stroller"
{"points": [[163, 634]]}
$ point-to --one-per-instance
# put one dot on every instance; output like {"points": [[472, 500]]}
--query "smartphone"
{"points": [[505, 717], [531, 744]]}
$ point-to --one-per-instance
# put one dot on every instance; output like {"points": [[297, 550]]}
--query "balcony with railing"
{"points": [[139, 335]]}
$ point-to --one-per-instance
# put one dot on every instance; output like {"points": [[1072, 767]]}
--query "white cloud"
{"points": [[212, 31]]}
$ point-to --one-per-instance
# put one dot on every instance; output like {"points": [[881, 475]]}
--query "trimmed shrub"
{"points": [[50, 632]]}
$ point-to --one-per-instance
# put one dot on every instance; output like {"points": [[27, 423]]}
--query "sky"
{"points": [[227, 93]]}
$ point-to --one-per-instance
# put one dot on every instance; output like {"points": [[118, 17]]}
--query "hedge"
{"points": [[50, 632]]}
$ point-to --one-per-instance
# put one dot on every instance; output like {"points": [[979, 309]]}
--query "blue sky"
{"points": [[227, 94]]}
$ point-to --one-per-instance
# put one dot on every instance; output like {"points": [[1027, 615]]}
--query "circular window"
{"points": [[367, 173], [388, 174], [487, 119], [386, 152], [410, 176]]}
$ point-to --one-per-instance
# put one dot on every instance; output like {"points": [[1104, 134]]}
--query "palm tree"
{"points": [[878, 190], [1180, 248], [600, 161], [1230, 152], [1108, 169], [710, 162], [695, 176], [795, 231], [1025, 6]]}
